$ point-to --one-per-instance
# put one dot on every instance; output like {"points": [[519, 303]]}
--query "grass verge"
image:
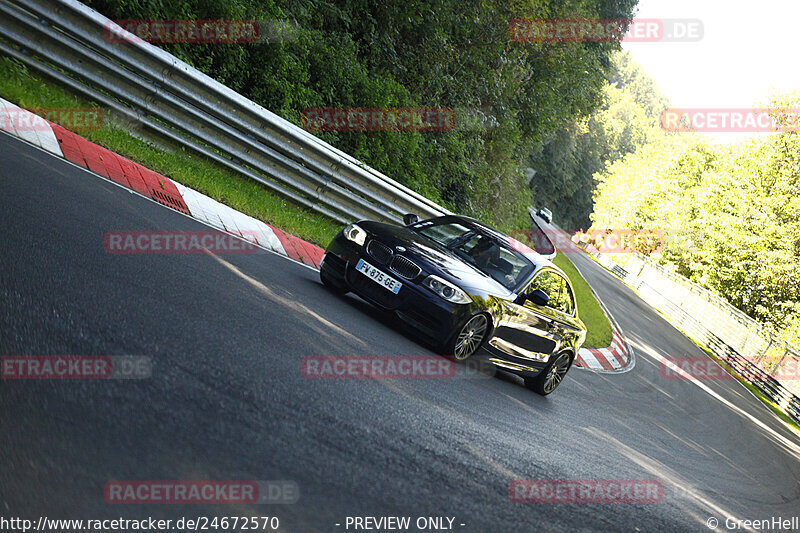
{"points": [[26, 89], [598, 326]]}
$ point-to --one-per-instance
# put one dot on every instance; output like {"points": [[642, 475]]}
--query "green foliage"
{"points": [[438, 53], [628, 74], [731, 215], [566, 164]]}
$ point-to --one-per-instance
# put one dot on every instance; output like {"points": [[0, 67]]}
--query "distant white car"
{"points": [[545, 214]]}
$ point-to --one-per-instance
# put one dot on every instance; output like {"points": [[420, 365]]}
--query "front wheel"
{"points": [[468, 338], [550, 378]]}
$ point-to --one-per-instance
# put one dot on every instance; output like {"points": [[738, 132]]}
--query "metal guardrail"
{"points": [[764, 358], [169, 99]]}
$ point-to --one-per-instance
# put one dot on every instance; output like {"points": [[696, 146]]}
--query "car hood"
{"points": [[434, 258]]}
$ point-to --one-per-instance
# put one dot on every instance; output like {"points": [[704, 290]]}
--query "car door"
{"points": [[531, 331]]}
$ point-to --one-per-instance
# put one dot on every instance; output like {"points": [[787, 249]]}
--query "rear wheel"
{"points": [[468, 338], [550, 378], [331, 283]]}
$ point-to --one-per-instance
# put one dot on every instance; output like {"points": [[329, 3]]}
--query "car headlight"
{"points": [[446, 290], [354, 233]]}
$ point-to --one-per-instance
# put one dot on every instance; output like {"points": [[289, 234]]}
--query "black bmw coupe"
{"points": [[466, 286]]}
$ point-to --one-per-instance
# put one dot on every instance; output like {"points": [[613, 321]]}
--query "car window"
{"points": [[518, 269], [549, 283], [567, 301], [444, 234], [484, 250], [499, 262], [556, 287]]}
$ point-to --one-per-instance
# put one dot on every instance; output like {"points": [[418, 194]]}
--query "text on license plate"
{"points": [[385, 280]]}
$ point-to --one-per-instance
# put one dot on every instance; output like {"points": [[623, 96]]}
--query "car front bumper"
{"points": [[414, 304]]}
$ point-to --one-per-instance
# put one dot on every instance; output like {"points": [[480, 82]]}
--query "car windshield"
{"points": [[486, 251]]}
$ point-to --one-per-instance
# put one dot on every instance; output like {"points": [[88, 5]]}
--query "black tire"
{"points": [[551, 377], [468, 337], [331, 284]]}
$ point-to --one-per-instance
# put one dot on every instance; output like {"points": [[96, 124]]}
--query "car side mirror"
{"points": [[538, 296], [410, 218]]}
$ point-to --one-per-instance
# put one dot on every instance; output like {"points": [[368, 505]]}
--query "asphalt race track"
{"points": [[227, 401]]}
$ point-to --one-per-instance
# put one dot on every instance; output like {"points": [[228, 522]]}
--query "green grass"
{"points": [[597, 324], [28, 90]]}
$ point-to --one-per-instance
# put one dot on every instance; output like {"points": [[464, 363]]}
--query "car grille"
{"points": [[404, 267], [379, 251]]}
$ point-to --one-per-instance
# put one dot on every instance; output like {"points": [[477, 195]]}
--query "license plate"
{"points": [[384, 280]]}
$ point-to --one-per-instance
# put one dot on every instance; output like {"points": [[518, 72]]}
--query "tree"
{"points": [[567, 163], [731, 214], [405, 53]]}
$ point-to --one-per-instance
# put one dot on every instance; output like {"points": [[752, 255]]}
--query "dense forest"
{"points": [[626, 119], [516, 101], [730, 214]]}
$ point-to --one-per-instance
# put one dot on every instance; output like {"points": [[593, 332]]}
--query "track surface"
{"points": [[227, 400]]}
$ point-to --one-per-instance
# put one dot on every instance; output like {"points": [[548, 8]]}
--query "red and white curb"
{"points": [[29, 127], [228, 219], [64, 143], [615, 357]]}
